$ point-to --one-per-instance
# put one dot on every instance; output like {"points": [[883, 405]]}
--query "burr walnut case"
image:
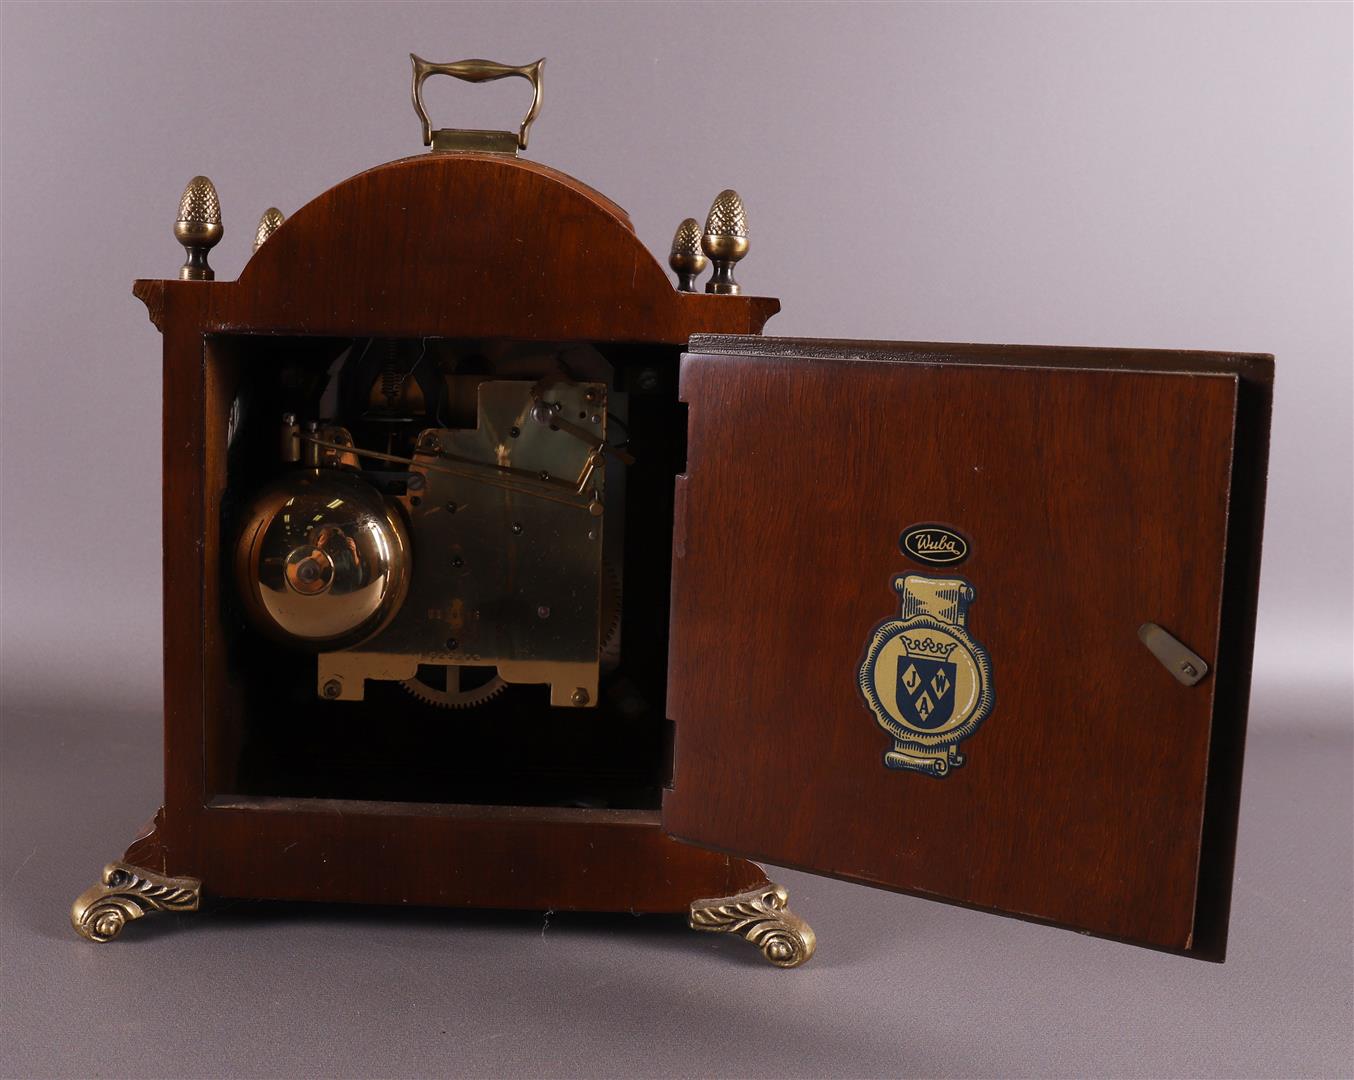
{"points": [[500, 570]]}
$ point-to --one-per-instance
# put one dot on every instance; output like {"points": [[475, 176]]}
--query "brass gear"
{"points": [[610, 615], [452, 696]]}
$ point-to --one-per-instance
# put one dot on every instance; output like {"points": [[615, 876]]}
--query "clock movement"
{"points": [[502, 570]]}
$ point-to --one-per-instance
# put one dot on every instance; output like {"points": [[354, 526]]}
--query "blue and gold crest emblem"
{"points": [[928, 683]]}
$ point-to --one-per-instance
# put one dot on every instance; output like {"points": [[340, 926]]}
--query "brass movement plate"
{"points": [[506, 561]]}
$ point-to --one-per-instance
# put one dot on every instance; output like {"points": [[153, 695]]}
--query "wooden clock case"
{"points": [[1100, 489]]}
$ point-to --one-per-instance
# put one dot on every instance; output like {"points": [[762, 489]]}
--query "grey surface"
{"points": [[899, 987], [1174, 176]]}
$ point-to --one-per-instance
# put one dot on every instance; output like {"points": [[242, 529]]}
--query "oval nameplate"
{"points": [[934, 545]]}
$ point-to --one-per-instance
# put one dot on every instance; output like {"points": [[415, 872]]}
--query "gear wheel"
{"points": [[453, 695], [608, 647]]}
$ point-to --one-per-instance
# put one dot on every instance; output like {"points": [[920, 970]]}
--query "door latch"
{"points": [[1187, 666]]}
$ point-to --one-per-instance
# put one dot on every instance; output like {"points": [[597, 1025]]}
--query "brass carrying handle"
{"points": [[476, 71]]}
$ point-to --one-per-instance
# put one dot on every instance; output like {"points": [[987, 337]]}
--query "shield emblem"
{"points": [[927, 682], [925, 691]]}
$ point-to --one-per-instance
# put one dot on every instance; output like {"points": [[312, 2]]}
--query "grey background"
{"points": [[1173, 176]]}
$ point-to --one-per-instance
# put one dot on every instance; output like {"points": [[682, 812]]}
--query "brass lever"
{"points": [[1179, 659]]}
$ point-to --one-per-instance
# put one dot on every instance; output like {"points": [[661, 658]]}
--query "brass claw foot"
{"points": [[126, 893], [763, 918]]}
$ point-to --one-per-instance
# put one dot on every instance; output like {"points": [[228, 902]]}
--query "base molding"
{"points": [[435, 855]]}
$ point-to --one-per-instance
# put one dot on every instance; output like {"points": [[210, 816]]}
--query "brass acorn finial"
{"points": [[686, 257], [198, 228], [268, 224], [725, 240]]}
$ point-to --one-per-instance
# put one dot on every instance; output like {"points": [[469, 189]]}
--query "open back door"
{"points": [[972, 622]]}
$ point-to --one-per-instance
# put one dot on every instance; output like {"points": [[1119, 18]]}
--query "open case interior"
{"points": [[270, 734]]}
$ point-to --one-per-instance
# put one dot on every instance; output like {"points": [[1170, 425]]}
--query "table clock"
{"points": [[502, 570]]}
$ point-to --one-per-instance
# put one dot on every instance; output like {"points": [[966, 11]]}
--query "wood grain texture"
{"points": [[184, 535], [1094, 486], [457, 246], [435, 855], [462, 246]]}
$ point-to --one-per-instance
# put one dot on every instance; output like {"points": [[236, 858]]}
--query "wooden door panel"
{"points": [[1094, 497]]}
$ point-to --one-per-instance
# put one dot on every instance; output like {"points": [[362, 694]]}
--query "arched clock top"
{"points": [[462, 245]]}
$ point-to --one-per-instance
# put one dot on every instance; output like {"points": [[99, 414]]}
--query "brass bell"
{"points": [[323, 559], [686, 258], [725, 241], [198, 228]]}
